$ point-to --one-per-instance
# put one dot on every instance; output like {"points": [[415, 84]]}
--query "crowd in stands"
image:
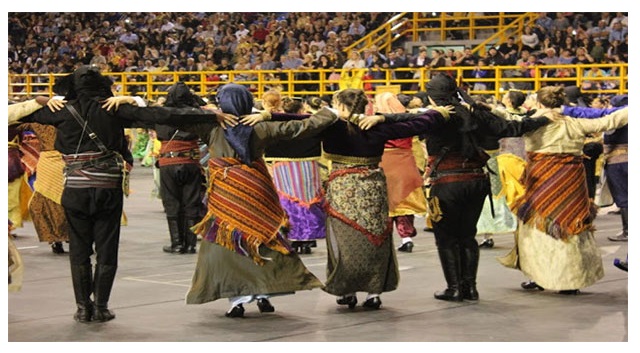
{"points": [[43, 43]]}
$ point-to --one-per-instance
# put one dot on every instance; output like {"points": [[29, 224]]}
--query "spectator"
{"points": [[618, 32], [530, 40], [355, 61], [509, 51]]}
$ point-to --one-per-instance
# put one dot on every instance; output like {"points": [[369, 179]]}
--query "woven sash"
{"points": [[179, 152], [244, 211], [556, 200], [93, 170]]}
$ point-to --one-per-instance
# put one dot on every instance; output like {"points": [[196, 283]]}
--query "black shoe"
{"points": [[83, 314], [57, 248], [486, 243], [372, 303], [623, 265], [530, 285], [350, 300], [470, 293], [177, 249], [265, 306], [236, 311], [569, 292], [427, 229], [406, 247], [450, 295], [619, 237], [103, 314]]}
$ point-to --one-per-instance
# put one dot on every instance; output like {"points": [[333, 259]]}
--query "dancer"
{"points": [[361, 256], [496, 217], [181, 176], [91, 140], [404, 181], [15, 112], [555, 243], [45, 209], [296, 175], [459, 184], [244, 255]]}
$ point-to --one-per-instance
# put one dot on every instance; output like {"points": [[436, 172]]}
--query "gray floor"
{"points": [[148, 297]]}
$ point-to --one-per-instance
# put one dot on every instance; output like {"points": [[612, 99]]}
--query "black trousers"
{"points": [[182, 190], [460, 204], [94, 218], [592, 150]]}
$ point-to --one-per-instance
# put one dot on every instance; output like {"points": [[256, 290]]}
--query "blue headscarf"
{"points": [[237, 100]]}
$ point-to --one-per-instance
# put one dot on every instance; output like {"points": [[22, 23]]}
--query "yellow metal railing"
{"points": [[515, 28], [412, 26], [152, 85], [467, 23], [383, 36]]}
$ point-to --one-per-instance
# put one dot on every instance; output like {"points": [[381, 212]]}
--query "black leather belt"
{"points": [[442, 173]]}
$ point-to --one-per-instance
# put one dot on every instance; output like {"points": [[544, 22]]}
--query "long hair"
{"points": [[355, 100]]}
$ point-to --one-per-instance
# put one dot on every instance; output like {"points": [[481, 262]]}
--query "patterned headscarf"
{"points": [[388, 103], [237, 100]]}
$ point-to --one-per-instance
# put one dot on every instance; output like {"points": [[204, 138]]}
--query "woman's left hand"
{"points": [[252, 119], [370, 121], [116, 101], [56, 104]]}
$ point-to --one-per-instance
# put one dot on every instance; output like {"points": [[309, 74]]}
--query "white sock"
{"points": [[241, 300], [372, 295], [406, 240]]}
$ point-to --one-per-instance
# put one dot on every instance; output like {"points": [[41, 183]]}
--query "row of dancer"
{"points": [[247, 258]]}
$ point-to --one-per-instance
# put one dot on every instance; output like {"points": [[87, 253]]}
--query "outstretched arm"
{"points": [[501, 127], [587, 112], [20, 110]]}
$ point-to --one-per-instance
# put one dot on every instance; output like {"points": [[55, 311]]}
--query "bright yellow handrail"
{"points": [[152, 85]]}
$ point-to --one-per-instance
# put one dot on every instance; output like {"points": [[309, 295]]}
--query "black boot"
{"points": [[177, 238], [190, 238], [82, 288], [102, 284], [622, 236], [469, 259], [450, 261]]}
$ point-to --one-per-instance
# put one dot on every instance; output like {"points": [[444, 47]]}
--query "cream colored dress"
{"points": [[552, 263]]}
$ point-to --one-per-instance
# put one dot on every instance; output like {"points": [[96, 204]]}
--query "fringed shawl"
{"points": [[244, 211], [556, 199]]}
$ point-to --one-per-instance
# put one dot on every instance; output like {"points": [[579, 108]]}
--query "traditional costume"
{"points": [[244, 255], [555, 244]]}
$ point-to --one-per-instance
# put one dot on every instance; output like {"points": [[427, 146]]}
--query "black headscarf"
{"points": [[237, 100], [443, 90], [574, 96], [86, 84], [180, 96]]}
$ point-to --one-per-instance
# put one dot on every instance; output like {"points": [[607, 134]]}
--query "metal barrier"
{"points": [[303, 83], [416, 25]]}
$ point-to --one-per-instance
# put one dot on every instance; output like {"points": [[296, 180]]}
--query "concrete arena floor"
{"points": [[148, 298]]}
